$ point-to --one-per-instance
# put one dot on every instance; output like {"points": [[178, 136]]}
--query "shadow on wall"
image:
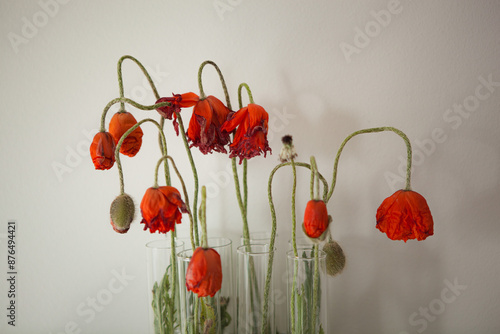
{"points": [[385, 284]]}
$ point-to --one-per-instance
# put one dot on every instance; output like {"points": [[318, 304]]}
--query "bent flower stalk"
{"points": [[214, 128]]}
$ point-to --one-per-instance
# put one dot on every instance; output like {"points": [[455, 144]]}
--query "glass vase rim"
{"points": [[165, 243], [184, 257], [240, 250], [291, 255]]}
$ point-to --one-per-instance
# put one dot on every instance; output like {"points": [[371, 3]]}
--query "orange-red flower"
{"points": [[120, 123], [204, 272], [251, 136], [161, 209], [316, 219], [177, 101], [405, 215], [204, 129], [102, 150]]}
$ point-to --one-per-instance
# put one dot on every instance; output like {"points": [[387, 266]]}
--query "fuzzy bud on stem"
{"points": [[122, 213]]}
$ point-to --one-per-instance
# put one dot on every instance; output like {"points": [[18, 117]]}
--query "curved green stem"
{"points": [[249, 92], [120, 142], [371, 130], [223, 82], [265, 308], [314, 179], [195, 177], [143, 69], [132, 103]]}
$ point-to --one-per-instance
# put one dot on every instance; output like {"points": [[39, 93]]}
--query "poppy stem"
{"points": [[120, 78], [265, 307], [246, 231], [120, 142], [223, 82], [203, 217], [294, 244], [249, 92], [132, 103], [315, 287], [195, 177], [314, 179], [372, 130], [245, 186], [174, 276]]}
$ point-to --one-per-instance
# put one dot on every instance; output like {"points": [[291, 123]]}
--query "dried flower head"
{"points": [[122, 213], [288, 150]]}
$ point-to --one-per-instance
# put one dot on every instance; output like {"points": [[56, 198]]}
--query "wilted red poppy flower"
{"points": [[316, 219], [204, 127], [120, 123], [161, 209], [178, 101], [405, 215], [251, 136], [102, 150], [204, 272]]}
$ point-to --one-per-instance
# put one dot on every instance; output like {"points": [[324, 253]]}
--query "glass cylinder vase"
{"points": [[307, 291], [253, 275], [163, 315], [212, 315]]}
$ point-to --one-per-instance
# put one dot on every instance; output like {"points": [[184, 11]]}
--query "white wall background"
{"points": [[414, 73]]}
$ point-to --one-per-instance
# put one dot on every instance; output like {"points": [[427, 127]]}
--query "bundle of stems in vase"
{"points": [[241, 135]]}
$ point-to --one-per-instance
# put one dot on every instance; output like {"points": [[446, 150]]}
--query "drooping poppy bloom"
{"points": [[405, 215], [102, 150], [161, 209], [204, 129], [177, 101], [120, 123], [204, 272], [316, 219], [250, 138]]}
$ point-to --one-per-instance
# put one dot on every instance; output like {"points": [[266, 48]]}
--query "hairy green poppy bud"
{"points": [[335, 258], [122, 213]]}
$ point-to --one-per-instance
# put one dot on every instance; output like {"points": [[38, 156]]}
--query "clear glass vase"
{"points": [[307, 291], [252, 274], [213, 315], [163, 318]]}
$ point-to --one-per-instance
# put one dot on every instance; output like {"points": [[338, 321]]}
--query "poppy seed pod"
{"points": [[122, 213], [335, 258], [288, 150]]}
